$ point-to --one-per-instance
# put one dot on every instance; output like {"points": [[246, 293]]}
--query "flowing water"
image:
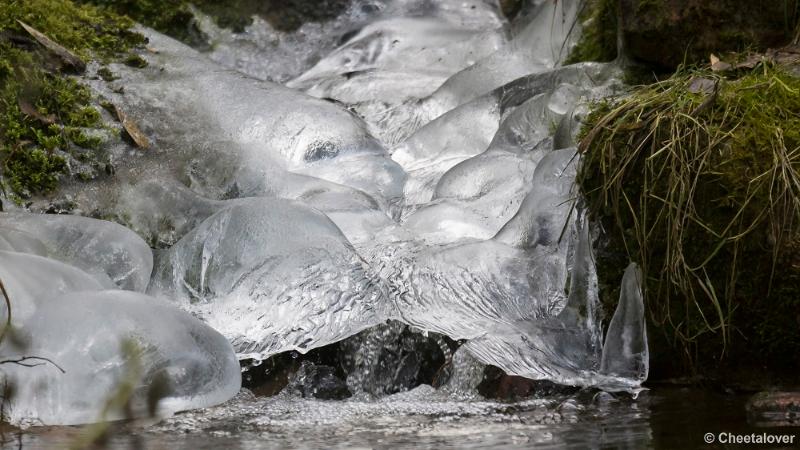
{"points": [[298, 193], [663, 418]]}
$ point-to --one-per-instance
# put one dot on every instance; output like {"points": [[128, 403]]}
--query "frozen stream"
{"points": [[298, 193]]}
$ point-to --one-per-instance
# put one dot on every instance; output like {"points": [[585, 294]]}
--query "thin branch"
{"points": [[32, 361], [8, 307]]}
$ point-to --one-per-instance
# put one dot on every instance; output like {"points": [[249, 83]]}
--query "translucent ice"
{"points": [[101, 248], [431, 181], [272, 276], [14, 240], [30, 280], [84, 346], [382, 70], [625, 353], [542, 45], [243, 135]]}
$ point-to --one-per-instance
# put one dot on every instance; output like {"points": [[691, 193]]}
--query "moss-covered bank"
{"points": [[44, 114], [698, 178]]}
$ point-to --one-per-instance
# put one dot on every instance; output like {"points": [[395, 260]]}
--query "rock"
{"points": [[496, 384], [665, 33], [774, 409], [391, 358], [318, 381]]}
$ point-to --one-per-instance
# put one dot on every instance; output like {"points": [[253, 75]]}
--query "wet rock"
{"points": [[322, 382], [774, 409], [392, 358], [664, 33], [498, 385], [270, 376]]}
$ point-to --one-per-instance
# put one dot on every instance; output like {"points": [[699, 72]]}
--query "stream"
{"points": [[665, 417]]}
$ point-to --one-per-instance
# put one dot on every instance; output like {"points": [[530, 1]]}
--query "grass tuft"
{"points": [[697, 177]]}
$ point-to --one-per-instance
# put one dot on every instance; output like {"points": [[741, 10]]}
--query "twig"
{"points": [[27, 361], [8, 307]]}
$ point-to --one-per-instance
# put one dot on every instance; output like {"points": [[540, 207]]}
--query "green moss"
{"points": [[42, 112], [172, 17], [106, 74], [135, 61], [87, 31], [598, 40], [175, 17], [35, 170], [703, 189]]}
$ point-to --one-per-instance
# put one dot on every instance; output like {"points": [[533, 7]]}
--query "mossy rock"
{"points": [[176, 18], [667, 33], [598, 40], [43, 112], [697, 178]]}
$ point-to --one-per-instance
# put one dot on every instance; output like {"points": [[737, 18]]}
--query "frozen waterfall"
{"points": [[422, 171]]}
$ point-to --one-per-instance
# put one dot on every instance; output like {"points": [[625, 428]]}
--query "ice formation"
{"points": [[30, 279], [103, 249], [421, 171], [272, 275], [97, 342]]}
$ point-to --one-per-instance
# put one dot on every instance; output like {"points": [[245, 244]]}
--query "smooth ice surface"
{"points": [[103, 249], [241, 137], [625, 353], [31, 281], [272, 276], [84, 336]]}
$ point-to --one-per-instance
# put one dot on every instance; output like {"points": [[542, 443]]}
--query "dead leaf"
{"points": [[750, 62], [700, 85], [132, 129], [717, 65], [708, 103], [70, 59], [30, 110]]}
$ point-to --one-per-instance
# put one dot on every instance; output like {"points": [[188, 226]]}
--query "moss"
{"points": [[598, 40], [175, 18], [35, 170], [701, 185], [43, 112], [87, 31], [172, 17], [135, 61], [510, 8], [106, 74]]}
